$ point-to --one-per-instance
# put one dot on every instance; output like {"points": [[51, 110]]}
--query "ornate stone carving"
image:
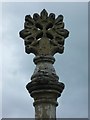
{"points": [[44, 34]]}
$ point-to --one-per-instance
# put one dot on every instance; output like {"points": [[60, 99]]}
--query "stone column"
{"points": [[44, 35]]}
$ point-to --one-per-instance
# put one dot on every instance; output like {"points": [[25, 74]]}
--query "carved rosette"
{"points": [[44, 34]]}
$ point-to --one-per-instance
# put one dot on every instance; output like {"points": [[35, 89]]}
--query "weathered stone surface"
{"points": [[44, 35], [45, 104], [44, 69]]}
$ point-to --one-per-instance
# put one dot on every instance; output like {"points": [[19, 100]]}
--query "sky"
{"points": [[71, 66]]}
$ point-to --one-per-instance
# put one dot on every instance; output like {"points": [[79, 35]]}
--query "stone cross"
{"points": [[44, 35]]}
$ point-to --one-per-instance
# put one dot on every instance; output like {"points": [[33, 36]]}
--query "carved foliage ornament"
{"points": [[44, 34]]}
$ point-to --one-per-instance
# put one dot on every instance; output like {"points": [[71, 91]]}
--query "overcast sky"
{"points": [[71, 66]]}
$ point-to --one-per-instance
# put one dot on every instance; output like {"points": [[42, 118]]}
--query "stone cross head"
{"points": [[44, 34]]}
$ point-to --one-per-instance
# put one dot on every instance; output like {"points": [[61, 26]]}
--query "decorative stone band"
{"points": [[42, 58], [45, 96], [37, 86], [49, 101]]}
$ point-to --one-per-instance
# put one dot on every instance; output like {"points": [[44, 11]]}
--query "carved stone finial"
{"points": [[44, 34]]}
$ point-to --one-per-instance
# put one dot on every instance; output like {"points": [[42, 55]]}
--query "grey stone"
{"points": [[44, 35]]}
